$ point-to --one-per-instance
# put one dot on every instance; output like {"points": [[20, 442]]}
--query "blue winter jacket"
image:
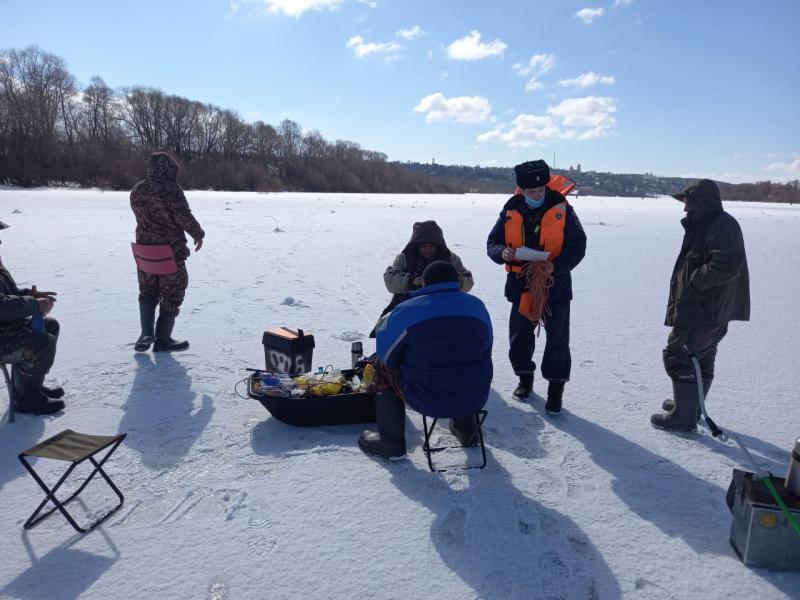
{"points": [[441, 341], [572, 252]]}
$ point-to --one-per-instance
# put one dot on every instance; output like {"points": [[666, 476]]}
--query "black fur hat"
{"points": [[532, 174]]}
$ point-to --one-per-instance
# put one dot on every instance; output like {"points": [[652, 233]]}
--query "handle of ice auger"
{"points": [[698, 375]]}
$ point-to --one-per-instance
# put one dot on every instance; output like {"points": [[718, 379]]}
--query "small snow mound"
{"points": [[349, 336], [289, 301]]}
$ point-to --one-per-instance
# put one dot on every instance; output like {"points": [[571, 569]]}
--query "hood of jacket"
{"points": [[162, 168], [701, 198]]}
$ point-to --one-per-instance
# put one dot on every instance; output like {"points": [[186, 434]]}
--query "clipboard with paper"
{"points": [[529, 254]]}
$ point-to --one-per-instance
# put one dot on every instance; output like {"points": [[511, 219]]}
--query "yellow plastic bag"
{"points": [[369, 370]]}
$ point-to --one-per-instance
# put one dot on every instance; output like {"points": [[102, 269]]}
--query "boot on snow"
{"points": [[669, 403], [465, 429], [683, 416], [555, 392], [54, 392], [29, 396], [525, 386], [390, 439], [164, 341], [147, 318]]}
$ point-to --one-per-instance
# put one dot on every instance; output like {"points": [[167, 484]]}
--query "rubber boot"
{"points": [[555, 392], [465, 429], [29, 396], [54, 392], [390, 439], [164, 341], [525, 386], [147, 317], [683, 417], [669, 403]]}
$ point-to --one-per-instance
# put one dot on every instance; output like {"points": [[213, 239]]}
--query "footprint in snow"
{"points": [[451, 530]]}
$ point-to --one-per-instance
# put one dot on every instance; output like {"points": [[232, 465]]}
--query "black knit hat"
{"points": [[532, 174], [439, 271]]}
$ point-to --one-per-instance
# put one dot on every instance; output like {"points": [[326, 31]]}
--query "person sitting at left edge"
{"points": [[30, 352], [435, 353]]}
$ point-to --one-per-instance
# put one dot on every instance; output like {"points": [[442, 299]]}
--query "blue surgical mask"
{"points": [[534, 203]]}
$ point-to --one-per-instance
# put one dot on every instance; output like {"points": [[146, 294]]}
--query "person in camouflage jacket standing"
{"points": [[162, 216], [31, 353]]}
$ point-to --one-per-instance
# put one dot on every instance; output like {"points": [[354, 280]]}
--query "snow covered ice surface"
{"points": [[222, 501]]}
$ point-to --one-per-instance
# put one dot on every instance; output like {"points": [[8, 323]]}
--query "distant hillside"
{"points": [[500, 180]]}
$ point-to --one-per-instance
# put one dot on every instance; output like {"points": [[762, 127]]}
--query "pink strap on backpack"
{"points": [[156, 260]]}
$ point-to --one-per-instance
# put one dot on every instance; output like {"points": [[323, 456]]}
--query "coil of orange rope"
{"points": [[538, 276]]}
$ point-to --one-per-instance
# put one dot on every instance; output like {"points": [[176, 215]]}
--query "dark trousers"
{"points": [[700, 341], [557, 361], [169, 290], [33, 353]]}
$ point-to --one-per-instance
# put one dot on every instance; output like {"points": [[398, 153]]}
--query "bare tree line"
{"points": [[52, 131]]}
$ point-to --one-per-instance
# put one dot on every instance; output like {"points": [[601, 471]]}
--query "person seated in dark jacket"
{"points": [[710, 286], [435, 354], [426, 245], [30, 352]]}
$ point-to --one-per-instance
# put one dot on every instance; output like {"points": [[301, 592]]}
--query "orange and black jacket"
{"points": [[516, 213]]}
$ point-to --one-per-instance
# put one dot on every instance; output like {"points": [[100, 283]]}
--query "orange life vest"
{"points": [[551, 232]]}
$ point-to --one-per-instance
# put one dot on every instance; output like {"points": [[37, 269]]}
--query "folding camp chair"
{"points": [[12, 397], [156, 260], [75, 448], [480, 417]]}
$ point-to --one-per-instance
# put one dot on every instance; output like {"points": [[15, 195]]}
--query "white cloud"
{"points": [[533, 85], [618, 3], [539, 64], [525, 131], [573, 119], [462, 109], [587, 80], [411, 33], [471, 48], [791, 169], [369, 3], [295, 8], [589, 15], [591, 112], [362, 48]]}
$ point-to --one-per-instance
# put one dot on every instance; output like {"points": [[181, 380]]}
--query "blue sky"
{"points": [[678, 87]]}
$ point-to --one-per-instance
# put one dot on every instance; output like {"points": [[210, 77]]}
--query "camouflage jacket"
{"points": [[16, 306], [161, 210]]}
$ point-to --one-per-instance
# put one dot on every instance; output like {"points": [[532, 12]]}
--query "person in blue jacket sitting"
{"points": [[435, 354]]}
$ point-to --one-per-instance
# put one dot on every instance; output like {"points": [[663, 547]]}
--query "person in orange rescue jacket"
{"points": [[539, 219]]}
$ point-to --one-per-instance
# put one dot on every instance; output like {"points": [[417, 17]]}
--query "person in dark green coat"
{"points": [[710, 287], [27, 349]]}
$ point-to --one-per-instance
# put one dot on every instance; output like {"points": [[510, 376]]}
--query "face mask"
{"points": [[534, 203]]}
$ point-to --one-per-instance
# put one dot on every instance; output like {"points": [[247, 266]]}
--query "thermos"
{"points": [[356, 352], [792, 483], [37, 323]]}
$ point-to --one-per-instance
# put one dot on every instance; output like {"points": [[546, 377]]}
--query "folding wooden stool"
{"points": [[75, 448], [480, 417]]}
